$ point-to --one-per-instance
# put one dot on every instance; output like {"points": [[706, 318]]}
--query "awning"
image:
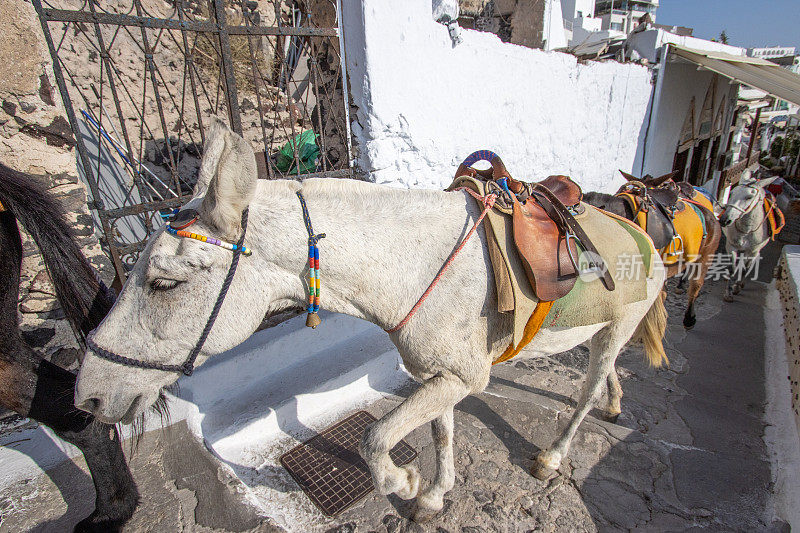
{"points": [[758, 73]]}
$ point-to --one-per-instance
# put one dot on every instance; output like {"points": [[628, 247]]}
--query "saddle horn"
{"points": [[497, 171]]}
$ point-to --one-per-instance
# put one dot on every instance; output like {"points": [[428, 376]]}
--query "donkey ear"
{"points": [[655, 182], [228, 173], [747, 178], [766, 181], [629, 177], [212, 149]]}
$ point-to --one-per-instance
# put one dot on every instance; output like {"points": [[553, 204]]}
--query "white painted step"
{"points": [[252, 403], [285, 380]]}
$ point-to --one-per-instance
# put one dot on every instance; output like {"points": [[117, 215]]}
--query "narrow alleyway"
{"points": [[685, 454]]}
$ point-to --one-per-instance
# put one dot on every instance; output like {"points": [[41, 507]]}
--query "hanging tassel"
{"points": [[313, 320]]}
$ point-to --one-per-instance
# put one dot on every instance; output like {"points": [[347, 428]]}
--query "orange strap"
{"points": [[531, 329], [775, 217], [1, 207], [641, 215]]}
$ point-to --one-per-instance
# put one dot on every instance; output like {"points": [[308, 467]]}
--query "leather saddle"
{"points": [[653, 205], [545, 231]]}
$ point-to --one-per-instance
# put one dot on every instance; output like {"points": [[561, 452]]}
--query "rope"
{"points": [[313, 238], [488, 203], [188, 366]]}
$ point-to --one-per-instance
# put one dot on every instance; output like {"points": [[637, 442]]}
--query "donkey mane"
{"points": [[84, 298], [609, 202]]}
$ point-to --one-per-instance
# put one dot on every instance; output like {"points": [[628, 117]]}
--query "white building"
{"points": [[771, 52], [624, 15]]}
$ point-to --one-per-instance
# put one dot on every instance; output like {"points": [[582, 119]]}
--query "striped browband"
{"points": [[184, 218]]}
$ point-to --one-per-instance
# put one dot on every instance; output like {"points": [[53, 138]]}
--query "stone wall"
{"points": [[35, 137], [788, 285]]}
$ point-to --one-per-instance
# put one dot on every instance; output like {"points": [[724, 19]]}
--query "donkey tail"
{"points": [[83, 297], [651, 332]]}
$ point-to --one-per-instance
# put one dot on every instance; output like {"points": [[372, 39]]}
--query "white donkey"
{"points": [[382, 249], [744, 223]]}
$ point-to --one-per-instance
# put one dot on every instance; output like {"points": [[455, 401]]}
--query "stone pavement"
{"points": [[686, 453]]}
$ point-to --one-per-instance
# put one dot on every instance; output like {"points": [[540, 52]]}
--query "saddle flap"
{"points": [[660, 228], [544, 251]]}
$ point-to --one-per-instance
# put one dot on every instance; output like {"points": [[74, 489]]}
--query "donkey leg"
{"points": [[729, 287], [431, 499], [605, 347], [680, 288], [614, 405], [431, 400], [116, 493]]}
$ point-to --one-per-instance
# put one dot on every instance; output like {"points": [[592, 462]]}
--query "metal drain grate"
{"points": [[329, 469]]}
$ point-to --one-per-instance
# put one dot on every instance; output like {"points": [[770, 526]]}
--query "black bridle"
{"points": [[187, 367]]}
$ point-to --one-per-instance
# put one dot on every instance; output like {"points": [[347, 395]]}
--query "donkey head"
{"points": [[744, 198], [171, 291]]}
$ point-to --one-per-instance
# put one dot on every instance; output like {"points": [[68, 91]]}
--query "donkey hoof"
{"points": [[610, 417], [411, 483], [422, 514], [727, 297], [680, 290], [737, 289], [541, 471], [689, 322]]}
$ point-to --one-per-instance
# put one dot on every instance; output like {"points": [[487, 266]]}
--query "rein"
{"points": [[187, 367], [488, 203]]}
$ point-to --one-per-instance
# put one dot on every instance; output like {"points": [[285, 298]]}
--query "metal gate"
{"points": [[140, 79]]}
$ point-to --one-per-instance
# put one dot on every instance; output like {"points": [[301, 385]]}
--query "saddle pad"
{"points": [[690, 225], [514, 291], [628, 252], [774, 216], [702, 200]]}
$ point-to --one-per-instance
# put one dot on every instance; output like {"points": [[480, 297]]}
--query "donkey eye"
{"points": [[162, 284]]}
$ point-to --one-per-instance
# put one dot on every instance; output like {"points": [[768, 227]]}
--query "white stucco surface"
{"points": [[681, 83], [424, 105]]}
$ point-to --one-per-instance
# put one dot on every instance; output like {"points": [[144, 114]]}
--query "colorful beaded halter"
{"points": [[180, 219], [183, 218], [314, 282]]}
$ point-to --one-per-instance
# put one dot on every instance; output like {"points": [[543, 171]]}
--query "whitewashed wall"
{"points": [[423, 105], [682, 82]]}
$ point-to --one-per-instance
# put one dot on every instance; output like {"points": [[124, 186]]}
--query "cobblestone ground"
{"points": [[686, 453]]}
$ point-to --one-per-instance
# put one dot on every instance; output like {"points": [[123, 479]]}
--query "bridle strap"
{"points": [[187, 367]]}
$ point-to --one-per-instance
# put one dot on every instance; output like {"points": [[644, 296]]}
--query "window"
{"points": [[580, 14], [616, 26]]}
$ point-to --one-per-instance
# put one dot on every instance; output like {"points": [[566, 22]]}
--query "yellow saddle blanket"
{"points": [[690, 228]]}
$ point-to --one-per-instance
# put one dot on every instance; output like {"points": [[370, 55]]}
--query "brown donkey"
{"points": [[32, 386], [693, 222]]}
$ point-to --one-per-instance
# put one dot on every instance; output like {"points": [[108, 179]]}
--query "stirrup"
{"points": [[572, 259], [675, 250]]}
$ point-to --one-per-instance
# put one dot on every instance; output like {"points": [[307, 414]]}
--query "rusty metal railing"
{"points": [[139, 80]]}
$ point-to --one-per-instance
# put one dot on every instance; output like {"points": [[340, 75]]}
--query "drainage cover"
{"points": [[329, 469]]}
